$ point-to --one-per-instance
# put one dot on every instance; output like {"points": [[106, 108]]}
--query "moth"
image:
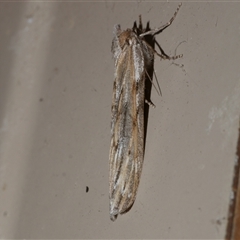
{"points": [[133, 56]]}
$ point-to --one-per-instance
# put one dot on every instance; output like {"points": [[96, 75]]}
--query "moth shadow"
{"points": [[150, 40], [148, 86]]}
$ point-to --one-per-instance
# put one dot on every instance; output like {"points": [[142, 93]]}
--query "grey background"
{"points": [[56, 78]]}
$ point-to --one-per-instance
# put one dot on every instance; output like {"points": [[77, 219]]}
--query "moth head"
{"points": [[126, 38]]}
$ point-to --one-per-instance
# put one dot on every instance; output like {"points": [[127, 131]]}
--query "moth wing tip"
{"points": [[113, 217], [113, 214]]}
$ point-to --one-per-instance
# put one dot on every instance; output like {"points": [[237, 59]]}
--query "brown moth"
{"points": [[132, 56]]}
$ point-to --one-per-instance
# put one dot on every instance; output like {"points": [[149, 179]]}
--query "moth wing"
{"points": [[127, 129]]}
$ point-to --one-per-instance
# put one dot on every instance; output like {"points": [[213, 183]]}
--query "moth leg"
{"points": [[163, 55], [150, 103], [158, 91], [160, 29]]}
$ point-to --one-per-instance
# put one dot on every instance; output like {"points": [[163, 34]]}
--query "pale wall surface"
{"points": [[56, 76]]}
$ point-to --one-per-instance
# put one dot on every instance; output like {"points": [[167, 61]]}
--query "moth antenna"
{"points": [[160, 29]]}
